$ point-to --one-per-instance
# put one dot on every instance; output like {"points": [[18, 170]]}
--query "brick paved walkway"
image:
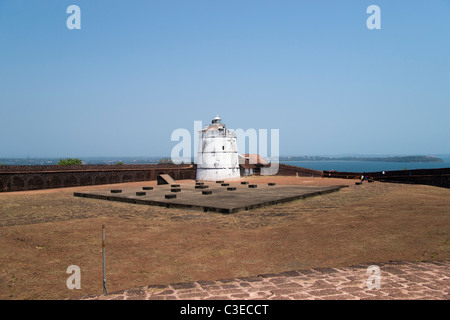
{"points": [[398, 280]]}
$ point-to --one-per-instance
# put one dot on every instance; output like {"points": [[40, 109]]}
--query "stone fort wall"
{"points": [[288, 170], [433, 177], [19, 178]]}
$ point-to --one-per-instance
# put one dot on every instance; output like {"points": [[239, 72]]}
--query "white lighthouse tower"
{"points": [[217, 155]]}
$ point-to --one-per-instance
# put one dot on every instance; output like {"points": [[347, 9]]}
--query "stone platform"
{"points": [[229, 197], [398, 280]]}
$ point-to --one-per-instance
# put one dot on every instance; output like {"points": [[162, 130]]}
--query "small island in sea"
{"points": [[355, 158]]}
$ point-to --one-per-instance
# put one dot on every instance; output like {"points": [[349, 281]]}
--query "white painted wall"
{"points": [[217, 156]]}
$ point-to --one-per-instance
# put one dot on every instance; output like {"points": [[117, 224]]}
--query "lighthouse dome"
{"points": [[216, 120]]}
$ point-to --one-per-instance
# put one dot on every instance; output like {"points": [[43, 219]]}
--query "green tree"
{"points": [[70, 162]]}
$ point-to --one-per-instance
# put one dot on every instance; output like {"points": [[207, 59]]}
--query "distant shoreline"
{"points": [[283, 159], [416, 159]]}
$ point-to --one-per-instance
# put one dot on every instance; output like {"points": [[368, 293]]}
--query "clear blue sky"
{"points": [[137, 70]]}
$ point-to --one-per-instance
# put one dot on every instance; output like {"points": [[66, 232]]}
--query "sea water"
{"points": [[367, 166], [346, 166]]}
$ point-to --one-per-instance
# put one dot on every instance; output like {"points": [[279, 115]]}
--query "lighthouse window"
{"points": [[223, 147]]}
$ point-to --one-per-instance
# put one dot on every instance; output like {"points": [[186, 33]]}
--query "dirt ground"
{"points": [[43, 232]]}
